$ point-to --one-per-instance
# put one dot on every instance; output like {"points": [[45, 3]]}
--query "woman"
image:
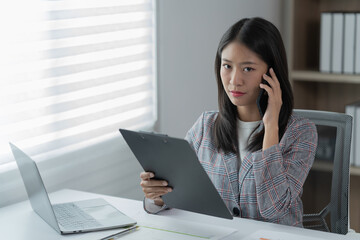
{"points": [[258, 164]]}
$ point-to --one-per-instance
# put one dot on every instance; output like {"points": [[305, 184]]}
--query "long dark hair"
{"points": [[264, 39]]}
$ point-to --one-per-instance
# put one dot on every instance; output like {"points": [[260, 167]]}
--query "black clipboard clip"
{"points": [[164, 136]]}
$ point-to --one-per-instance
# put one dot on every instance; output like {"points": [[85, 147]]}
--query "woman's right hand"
{"points": [[154, 189]]}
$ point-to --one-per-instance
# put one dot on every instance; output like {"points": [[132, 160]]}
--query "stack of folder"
{"points": [[340, 42]]}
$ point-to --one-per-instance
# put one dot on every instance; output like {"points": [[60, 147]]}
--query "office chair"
{"points": [[339, 200]]}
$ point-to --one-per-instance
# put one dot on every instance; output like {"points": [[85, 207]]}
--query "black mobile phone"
{"points": [[262, 100]]}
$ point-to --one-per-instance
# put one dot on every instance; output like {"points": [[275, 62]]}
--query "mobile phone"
{"points": [[262, 100]]}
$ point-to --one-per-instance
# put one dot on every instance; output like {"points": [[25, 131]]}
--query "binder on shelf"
{"points": [[357, 46], [325, 42], [349, 43], [337, 42]]}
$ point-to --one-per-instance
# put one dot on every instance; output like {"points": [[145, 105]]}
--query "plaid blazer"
{"points": [[268, 185]]}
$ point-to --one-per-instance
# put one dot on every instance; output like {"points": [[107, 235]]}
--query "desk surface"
{"points": [[19, 222]]}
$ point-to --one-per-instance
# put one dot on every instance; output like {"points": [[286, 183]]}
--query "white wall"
{"points": [[188, 34]]}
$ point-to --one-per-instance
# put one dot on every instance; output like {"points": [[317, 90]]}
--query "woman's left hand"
{"points": [[271, 116]]}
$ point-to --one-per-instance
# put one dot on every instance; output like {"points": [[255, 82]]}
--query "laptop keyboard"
{"points": [[70, 216]]}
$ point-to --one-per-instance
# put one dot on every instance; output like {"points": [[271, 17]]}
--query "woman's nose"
{"points": [[236, 78]]}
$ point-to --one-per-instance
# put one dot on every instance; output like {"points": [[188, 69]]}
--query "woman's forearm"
{"points": [[271, 136]]}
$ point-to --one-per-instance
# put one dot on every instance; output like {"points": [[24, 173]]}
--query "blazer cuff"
{"points": [[272, 154], [151, 208]]}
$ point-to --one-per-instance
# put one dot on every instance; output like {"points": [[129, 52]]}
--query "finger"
{"points": [[274, 85], [162, 190], [267, 88], [146, 175], [158, 199], [273, 95], [154, 196], [274, 77], [270, 80], [156, 189], [153, 183]]}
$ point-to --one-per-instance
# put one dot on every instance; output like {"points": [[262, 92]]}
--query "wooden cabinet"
{"points": [[319, 91]]}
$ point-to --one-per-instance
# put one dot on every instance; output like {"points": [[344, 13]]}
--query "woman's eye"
{"points": [[227, 66], [248, 69]]}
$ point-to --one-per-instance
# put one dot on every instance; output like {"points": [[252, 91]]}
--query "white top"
{"points": [[244, 131]]}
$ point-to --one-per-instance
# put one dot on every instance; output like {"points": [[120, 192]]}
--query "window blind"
{"points": [[73, 72]]}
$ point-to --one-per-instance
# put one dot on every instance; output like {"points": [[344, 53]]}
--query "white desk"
{"points": [[19, 222]]}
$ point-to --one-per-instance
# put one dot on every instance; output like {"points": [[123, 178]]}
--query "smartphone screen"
{"points": [[262, 100]]}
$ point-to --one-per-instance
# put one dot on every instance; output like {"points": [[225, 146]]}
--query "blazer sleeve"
{"points": [[151, 207], [195, 135], [281, 172]]}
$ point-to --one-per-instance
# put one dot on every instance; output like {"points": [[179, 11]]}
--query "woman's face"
{"points": [[241, 73]]}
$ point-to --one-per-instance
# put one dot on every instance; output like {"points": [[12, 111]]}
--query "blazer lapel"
{"points": [[246, 165], [230, 160]]}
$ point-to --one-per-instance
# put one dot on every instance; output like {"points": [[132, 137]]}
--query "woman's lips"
{"points": [[236, 93]]}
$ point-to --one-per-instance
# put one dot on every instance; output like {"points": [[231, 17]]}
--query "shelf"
{"points": [[328, 167], [314, 76], [319, 91], [355, 171]]}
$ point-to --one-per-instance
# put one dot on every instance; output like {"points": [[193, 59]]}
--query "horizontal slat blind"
{"points": [[73, 72]]}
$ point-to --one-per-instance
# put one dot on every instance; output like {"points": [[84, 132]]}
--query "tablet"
{"points": [[174, 160]]}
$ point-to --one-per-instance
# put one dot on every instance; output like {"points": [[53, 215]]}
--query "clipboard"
{"points": [[174, 160]]}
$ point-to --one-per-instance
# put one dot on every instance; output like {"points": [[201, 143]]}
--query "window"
{"points": [[73, 72]]}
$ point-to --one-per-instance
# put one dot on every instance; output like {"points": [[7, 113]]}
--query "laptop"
{"points": [[71, 217]]}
